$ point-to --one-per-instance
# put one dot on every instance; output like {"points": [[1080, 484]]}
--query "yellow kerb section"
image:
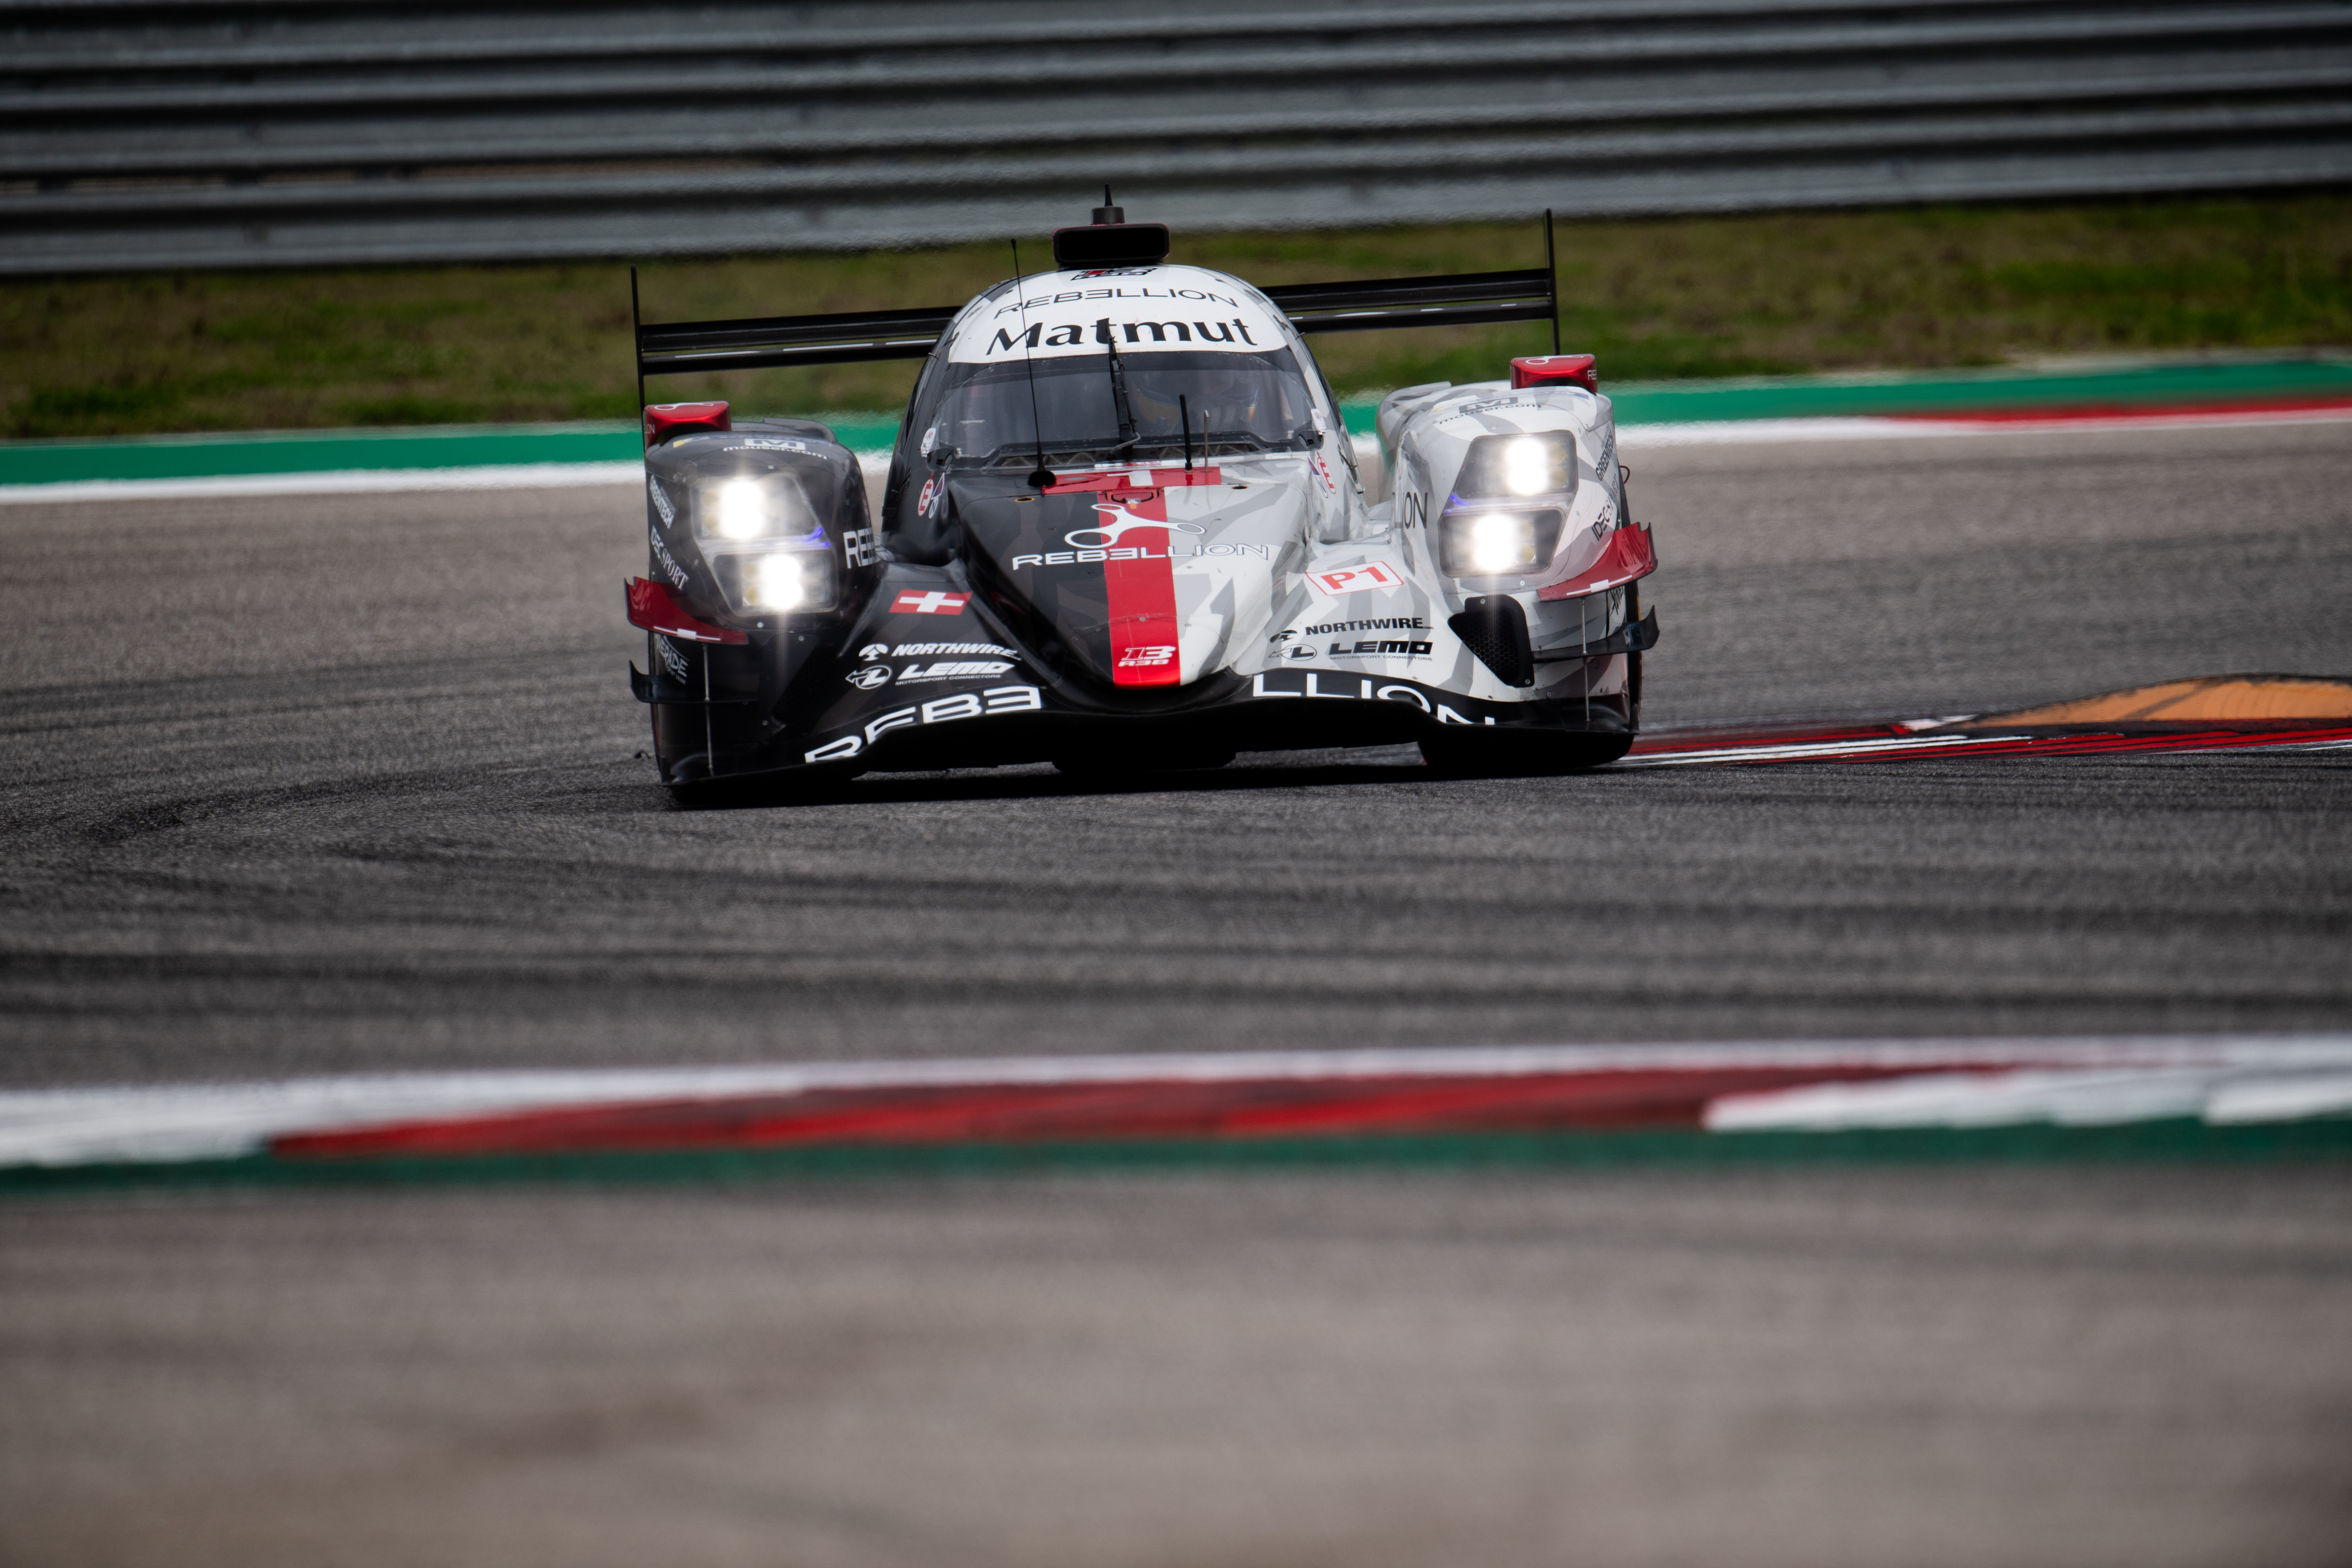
{"points": [[2214, 698]]}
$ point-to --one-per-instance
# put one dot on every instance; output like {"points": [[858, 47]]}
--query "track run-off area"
{"points": [[318, 788]]}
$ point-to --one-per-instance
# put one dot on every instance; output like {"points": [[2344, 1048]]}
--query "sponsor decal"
{"points": [[913, 602], [770, 444], [1467, 409], [859, 545], [930, 440], [1117, 272], [1078, 296], [671, 658], [1382, 624], [1364, 579], [1143, 552], [869, 677], [1372, 648], [940, 711], [1322, 470], [1142, 655], [934, 496], [955, 669], [1234, 332], [875, 651], [1353, 689], [675, 572], [1110, 533], [1416, 510], [661, 501]]}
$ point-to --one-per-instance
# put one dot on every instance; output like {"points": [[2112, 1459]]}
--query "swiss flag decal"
{"points": [[912, 603]]}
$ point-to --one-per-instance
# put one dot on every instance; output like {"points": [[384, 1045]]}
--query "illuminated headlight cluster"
{"points": [[764, 544], [782, 581], [1508, 505], [1481, 543]]}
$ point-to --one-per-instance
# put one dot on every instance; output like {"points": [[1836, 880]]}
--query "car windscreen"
{"points": [[1118, 407]]}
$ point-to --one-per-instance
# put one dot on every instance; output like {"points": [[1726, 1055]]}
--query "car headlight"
{"points": [[781, 581], [1485, 542], [1517, 468], [752, 506], [1489, 528], [765, 543]]}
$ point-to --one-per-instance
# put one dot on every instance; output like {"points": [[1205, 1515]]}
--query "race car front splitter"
{"points": [[929, 680]]}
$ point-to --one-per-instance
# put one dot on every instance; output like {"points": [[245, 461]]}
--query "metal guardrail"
{"points": [[165, 134]]}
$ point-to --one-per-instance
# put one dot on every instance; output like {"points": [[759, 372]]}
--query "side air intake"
{"points": [[1495, 629]]}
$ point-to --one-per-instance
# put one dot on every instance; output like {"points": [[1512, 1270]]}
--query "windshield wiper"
{"points": [[1125, 410]]}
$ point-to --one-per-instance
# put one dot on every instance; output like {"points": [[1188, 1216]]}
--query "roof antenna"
{"points": [[1108, 212], [637, 335], [1184, 420], [1040, 477], [1552, 281]]}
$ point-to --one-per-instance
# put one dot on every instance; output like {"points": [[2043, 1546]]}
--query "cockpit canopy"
{"points": [[1111, 364], [1115, 406]]}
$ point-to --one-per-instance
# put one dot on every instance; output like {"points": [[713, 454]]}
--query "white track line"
{"points": [[340, 481], [1801, 749], [543, 475], [359, 482], [214, 1120], [2076, 1098], [1876, 427]]}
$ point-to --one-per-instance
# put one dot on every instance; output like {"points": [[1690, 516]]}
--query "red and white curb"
{"points": [[2020, 422], [1825, 1086], [1903, 741]]}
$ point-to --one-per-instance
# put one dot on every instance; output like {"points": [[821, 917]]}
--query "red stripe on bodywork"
{"points": [[1049, 1112], [1628, 555], [1133, 479], [652, 606], [1142, 596]]}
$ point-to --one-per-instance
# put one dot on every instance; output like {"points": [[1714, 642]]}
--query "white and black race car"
{"points": [[1124, 529]]}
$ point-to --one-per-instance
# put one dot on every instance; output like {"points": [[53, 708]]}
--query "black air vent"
{"points": [[1495, 629]]}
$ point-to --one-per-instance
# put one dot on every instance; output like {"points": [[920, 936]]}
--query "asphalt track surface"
{"points": [[318, 783], [325, 783]]}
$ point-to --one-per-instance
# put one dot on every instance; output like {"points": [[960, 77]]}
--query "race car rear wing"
{"points": [[1466, 298], [1463, 299]]}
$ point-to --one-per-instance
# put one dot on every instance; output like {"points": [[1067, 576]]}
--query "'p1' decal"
{"points": [[1355, 579]]}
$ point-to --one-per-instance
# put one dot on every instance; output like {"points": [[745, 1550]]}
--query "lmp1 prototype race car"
{"points": [[1124, 529]]}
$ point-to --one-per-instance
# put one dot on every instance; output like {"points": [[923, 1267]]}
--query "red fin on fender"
{"points": [[1628, 554], [652, 607]]}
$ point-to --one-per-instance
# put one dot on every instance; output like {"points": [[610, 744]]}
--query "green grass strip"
{"points": [[332, 451], [2181, 1142], [1764, 397], [2144, 387]]}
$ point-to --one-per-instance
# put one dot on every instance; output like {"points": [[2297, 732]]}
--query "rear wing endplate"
{"points": [[1466, 298]]}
